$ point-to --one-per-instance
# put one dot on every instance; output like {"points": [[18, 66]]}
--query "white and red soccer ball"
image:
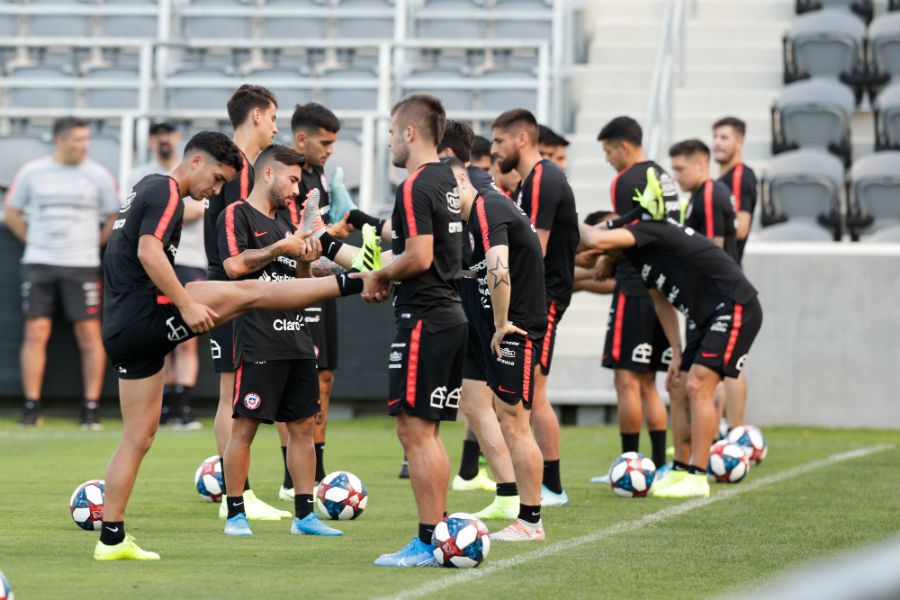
{"points": [[727, 462], [631, 475], [209, 480], [6, 592], [86, 504], [752, 440], [461, 541], [341, 496]]}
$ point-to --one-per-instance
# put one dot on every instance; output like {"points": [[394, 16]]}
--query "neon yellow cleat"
{"points": [[503, 507], [690, 486], [260, 511], [651, 198], [480, 482], [125, 550], [369, 256], [671, 478]]}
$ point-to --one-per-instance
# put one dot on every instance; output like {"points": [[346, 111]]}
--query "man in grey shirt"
{"points": [[56, 205]]}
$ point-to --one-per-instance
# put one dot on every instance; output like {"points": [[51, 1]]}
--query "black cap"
{"points": [[159, 127]]}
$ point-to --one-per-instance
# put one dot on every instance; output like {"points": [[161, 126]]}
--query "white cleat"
{"points": [[520, 531]]}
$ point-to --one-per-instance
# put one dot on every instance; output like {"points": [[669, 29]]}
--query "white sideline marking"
{"points": [[627, 526]]}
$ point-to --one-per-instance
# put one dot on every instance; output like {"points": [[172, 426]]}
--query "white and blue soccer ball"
{"points": [[727, 463], [460, 541], [341, 496], [752, 440], [209, 480], [632, 475], [6, 592], [86, 504]]}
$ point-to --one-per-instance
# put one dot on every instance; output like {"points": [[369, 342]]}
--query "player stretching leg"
{"points": [[138, 332]]}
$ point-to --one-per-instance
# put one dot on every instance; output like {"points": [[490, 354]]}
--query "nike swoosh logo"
{"points": [[393, 402], [113, 529], [504, 390], [258, 234], [330, 247], [238, 503], [708, 355], [537, 514]]}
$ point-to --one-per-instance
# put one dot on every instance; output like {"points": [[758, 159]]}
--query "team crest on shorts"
{"points": [[252, 401]]}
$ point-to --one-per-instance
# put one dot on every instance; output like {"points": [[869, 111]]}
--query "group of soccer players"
{"points": [[480, 282]]}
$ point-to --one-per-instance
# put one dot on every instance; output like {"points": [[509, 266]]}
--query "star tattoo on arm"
{"points": [[500, 273]]}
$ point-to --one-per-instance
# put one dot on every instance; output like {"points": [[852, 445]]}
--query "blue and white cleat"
{"points": [[415, 554], [238, 526], [551, 498], [312, 525], [662, 472], [341, 200]]}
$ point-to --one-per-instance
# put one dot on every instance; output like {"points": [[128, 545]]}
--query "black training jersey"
{"points": [[427, 203], [711, 213], [686, 267], [263, 334], [236, 189], [741, 180], [310, 180], [481, 179], [496, 221], [153, 207], [622, 191], [546, 197]]}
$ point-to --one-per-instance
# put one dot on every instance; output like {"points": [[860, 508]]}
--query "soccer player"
{"points": [[138, 332], [728, 146], [553, 146], [546, 197], [276, 377], [427, 354], [251, 110], [684, 269], [62, 207], [636, 347], [481, 153], [508, 318]]}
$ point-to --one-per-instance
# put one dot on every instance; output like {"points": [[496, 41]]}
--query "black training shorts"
{"points": [[321, 319], [723, 342], [276, 390], [139, 350], [635, 341], [77, 289]]}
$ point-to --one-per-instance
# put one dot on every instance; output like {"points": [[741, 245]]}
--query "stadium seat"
{"points": [[874, 192], [886, 235], [803, 185], [58, 96], [813, 114], [9, 25], [60, 25], [793, 231], [348, 154], [128, 26], [884, 49], [532, 30], [429, 80], [504, 99], [23, 148], [124, 97], [361, 97], [449, 28], [828, 43], [199, 97], [862, 8], [887, 118], [220, 28], [294, 28], [105, 150], [349, 28]]}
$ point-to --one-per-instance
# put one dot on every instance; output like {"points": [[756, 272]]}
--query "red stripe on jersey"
{"points": [[526, 377], [292, 210], [536, 192], [230, 237], [736, 177], [482, 222], [412, 363], [612, 189], [617, 328], [174, 199], [245, 177], [162, 299], [237, 383], [708, 208], [548, 337], [408, 203], [735, 331]]}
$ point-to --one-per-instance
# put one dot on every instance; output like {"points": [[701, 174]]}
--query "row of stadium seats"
{"points": [[864, 9]]}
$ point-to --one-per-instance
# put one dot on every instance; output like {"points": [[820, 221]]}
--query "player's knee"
{"points": [[626, 382], [696, 386], [37, 333]]}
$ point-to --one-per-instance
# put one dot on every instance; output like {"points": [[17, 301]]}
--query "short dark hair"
{"points": [[278, 153], [622, 129], [63, 125], [245, 99], [458, 137], [548, 137], [426, 112], [598, 216], [219, 146], [738, 125], [161, 127], [689, 148], [312, 117], [454, 162], [481, 147], [517, 117]]}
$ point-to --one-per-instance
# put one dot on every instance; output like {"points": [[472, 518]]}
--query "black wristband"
{"points": [[330, 246], [358, 218], [348, 286]]}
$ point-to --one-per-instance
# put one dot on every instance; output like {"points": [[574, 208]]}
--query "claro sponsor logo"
{"points": [[287, 324]]}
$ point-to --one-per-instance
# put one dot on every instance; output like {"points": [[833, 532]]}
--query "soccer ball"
{"points": [[460, 541], [631, 475], [86, 504], [341, 496], [209, 480], [6, 592], [752, 440], [727, 463]]}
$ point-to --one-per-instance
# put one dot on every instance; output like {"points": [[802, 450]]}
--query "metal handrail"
{"points": [[669, 65]]}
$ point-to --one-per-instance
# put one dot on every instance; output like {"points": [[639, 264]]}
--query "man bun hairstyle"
{"points": [[217, 145]]}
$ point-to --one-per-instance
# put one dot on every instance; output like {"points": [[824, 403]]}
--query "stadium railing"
{"points": [[668, 65]]}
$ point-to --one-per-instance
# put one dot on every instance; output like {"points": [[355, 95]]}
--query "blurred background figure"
{"points": [[481, 153], [552, 146]]}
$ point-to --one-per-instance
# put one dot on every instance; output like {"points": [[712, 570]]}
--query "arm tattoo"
{"points": [[255, 260], [500, 273]]}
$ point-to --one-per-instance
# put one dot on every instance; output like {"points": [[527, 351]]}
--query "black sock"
{"points": [[235, 505], [695, 470], [330, 246], [630, 441], [246, 483], [468, 466], [166, 412], [176, 402], [348, 286], [303, 505], [358, 218], [426, 532], [680, 466], [507, 489], [286, 482], [222, 466], [320, 462], [112, 532], [658, 447], [91, 404], [551, 476], [530, 514], [184, 401]]}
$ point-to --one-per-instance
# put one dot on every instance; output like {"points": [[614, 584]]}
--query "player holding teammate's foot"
{"points": [[276, 377], [138, 331], [546, 197], [509, 326], [682, 268]]}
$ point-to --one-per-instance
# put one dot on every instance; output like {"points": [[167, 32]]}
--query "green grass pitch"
{"points": [[698, 554]]}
